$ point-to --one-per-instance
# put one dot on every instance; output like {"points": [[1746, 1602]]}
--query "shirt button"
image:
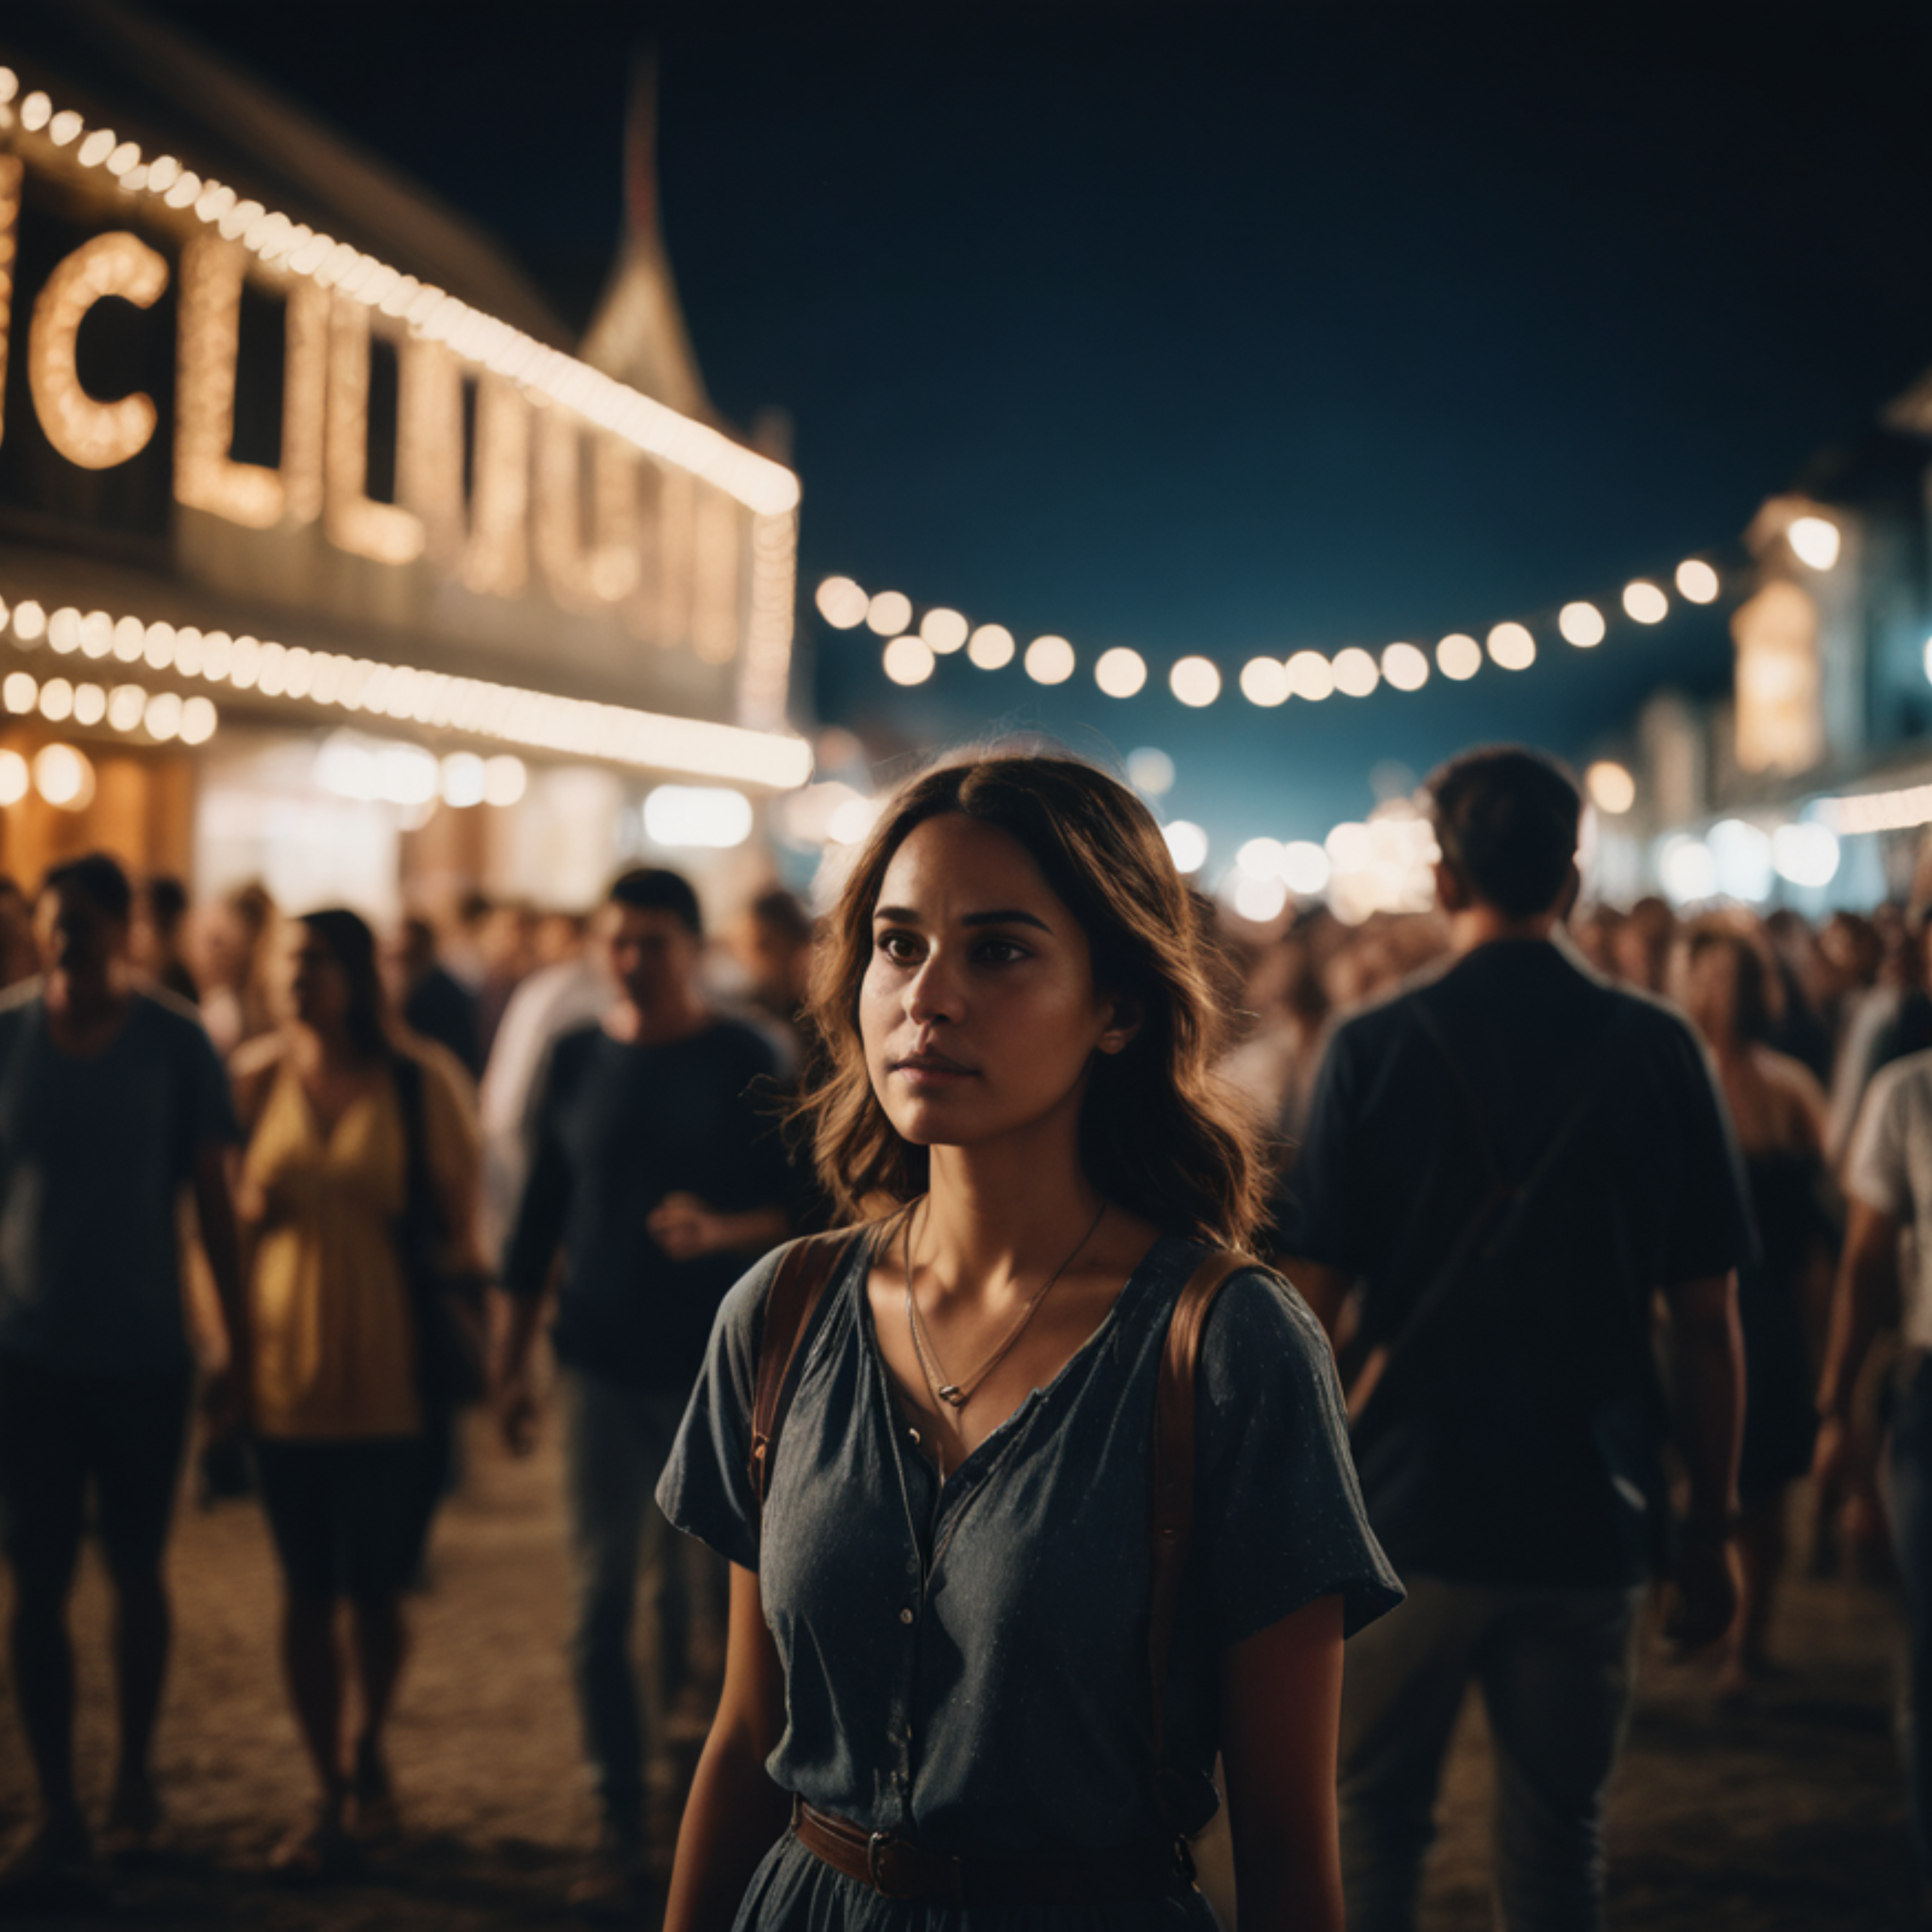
{"points": [[905, 1616]]}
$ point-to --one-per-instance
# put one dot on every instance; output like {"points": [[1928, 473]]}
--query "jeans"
{"points": [[1909, 1501], [616, 1442], [1555, 1666]]}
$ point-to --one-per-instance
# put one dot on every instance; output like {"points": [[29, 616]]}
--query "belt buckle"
{"points": [[881, 1849]]}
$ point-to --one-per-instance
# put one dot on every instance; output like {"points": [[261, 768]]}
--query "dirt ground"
{"points": [[1786, 1818]]}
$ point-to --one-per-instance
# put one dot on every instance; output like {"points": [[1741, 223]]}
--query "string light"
{"points": [[1645, 602], [909, 660], [1049, 660], [1121, 673], [1308, 674], [1512, 647], [1581, 624], [540, 721], [1196, 681], [990, 647]]}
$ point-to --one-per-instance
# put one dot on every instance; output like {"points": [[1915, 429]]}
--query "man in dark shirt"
{"points": [[434, 1002], [659, 1173], [1505, 1161], [112, 1106]]}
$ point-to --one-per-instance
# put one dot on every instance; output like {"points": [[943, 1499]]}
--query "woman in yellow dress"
{"points": [[358, 1133]]}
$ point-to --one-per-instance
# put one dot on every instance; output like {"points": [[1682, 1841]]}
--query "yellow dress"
{"points": [[332, 1333]]}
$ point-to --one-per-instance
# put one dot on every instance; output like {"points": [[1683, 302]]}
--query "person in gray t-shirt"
{"points": [[112, 1105]]}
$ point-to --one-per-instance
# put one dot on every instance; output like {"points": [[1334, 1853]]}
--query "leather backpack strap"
{"points": [[1173, 1525], [803, 1275]]}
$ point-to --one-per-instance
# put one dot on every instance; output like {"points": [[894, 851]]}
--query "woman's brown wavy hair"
{"points": [[1159, 1131]]}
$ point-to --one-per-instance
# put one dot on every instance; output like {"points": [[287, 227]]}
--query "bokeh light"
{"points": [[1187, 843], [1459, 656], [909, 660], [1049, 660], [1265, 681], [842, 604], [1355, 672], [992, 647], [1404, 667], [1120, 672], [1611, 787], [1813, 540], [1310, 675], [1696, 581], [1646, 603], [1581, 625], [1150, 770], [889, 613], [944, 631], [1196, 681], [1512, 646]]}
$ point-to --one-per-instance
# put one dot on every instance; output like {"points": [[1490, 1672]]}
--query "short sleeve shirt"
{"points": [[968, 1662], [93, 1156], [1891, 1169], [1520, 1444]]}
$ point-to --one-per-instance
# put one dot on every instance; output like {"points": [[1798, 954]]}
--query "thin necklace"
{"points": [[957, 1394]]}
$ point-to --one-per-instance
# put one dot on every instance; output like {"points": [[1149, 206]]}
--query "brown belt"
{"points": [[895, 1867]]}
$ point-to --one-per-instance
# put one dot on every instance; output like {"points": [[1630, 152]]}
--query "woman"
{"points": [[351, 1445], [939, 1633], [1730, 986]]}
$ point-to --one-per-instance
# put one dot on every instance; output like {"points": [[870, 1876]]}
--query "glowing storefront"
{"points": [[315, 545]]}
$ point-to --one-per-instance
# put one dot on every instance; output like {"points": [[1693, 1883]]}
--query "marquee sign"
{"points": [[185, 373]]}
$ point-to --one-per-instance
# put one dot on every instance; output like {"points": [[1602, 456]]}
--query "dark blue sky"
{"points": [[1225, 329]]}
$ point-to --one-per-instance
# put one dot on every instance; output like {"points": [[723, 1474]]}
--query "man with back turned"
{"points": [[1506, 1162]]}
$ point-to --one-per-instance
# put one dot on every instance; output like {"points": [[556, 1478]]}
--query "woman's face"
{"points": [[316, 988], [979, 1012], [1711, 991]]}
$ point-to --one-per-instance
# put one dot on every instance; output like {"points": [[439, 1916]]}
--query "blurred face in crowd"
{"points": [[978, 1012], [76, 937], [652, 955], [1710, 992], [316, 987]]}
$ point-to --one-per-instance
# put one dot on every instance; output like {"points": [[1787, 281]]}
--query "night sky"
{"points": [[1221, 329]]}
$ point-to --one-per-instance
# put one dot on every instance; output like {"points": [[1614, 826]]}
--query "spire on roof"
{"points": [[637, 333]]}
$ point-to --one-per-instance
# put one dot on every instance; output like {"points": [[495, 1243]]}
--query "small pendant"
{"points": [[950, 1394]]}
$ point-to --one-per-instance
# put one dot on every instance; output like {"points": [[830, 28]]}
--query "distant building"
{"points": [[323, 559]]}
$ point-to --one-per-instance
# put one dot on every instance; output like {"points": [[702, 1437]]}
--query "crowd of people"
{"points": [[1603, 1212]]}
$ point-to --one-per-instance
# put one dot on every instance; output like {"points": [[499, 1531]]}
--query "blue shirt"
{"points": [[94, 1154], [967, 1663]]}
